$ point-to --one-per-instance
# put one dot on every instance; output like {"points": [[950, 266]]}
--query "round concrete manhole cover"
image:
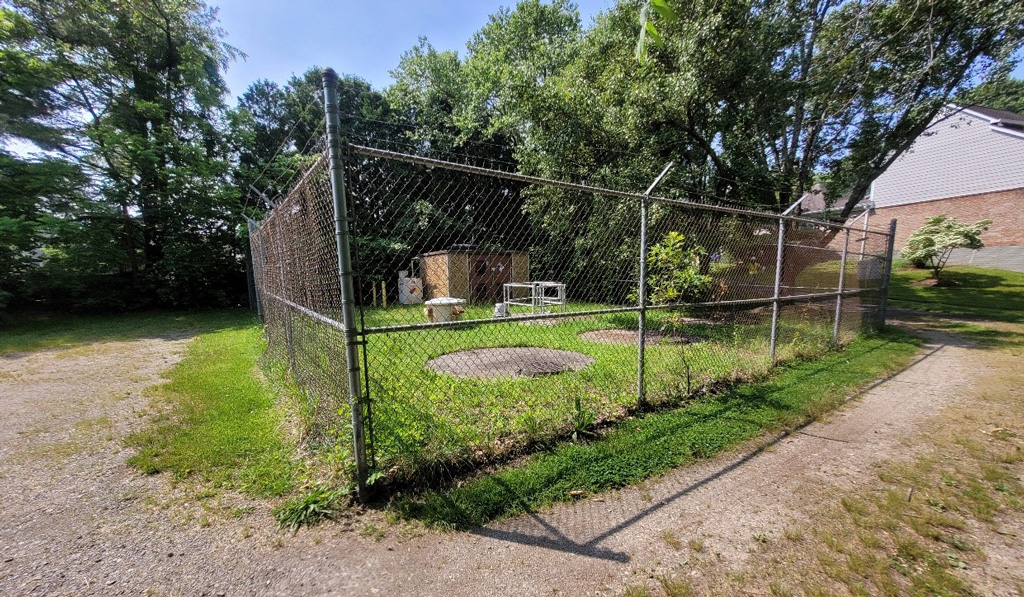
{"points": [[618, 336], [491, 363]]}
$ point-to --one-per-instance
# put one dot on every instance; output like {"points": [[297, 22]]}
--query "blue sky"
{"points": [[352, 36], [359, 37]]}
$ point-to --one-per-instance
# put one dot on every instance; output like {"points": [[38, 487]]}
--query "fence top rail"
{"points": [[570, 186], [311, 169]]}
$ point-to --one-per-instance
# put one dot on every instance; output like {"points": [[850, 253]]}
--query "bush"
{"points": [[931, 245], [674, 271]]}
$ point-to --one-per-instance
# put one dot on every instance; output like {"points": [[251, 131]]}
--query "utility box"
{"points": [[472, 274]]}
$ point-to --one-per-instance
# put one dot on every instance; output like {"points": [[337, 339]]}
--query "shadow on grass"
{"points": [[28, 332], [971, 335], [459, 508], [640, 448], [975, 292]]}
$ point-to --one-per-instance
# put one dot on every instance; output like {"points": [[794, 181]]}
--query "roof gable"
{"points": [[995, 116]]}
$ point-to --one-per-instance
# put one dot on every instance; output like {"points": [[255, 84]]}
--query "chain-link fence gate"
{"points": [[436, 315]]}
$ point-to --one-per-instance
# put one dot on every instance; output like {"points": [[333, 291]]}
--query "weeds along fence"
{"points": [[550, 307]]}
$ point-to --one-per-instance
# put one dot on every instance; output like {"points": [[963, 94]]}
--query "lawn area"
{"points": [[987, 293], [28, 332], [218, 417], [649, 445], [423, 419], [221, 416]]}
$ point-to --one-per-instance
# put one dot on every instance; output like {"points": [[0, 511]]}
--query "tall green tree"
{"points": [[278, 129], [34, 192], [141, 98], [1002, 93], [755, 99]]}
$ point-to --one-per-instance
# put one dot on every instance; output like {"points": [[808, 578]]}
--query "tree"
{"points": [[933, 243], [276, 129], [28, 101], [140, 104], [36, 194], [35, 191], [1002, 93], [428, 209], [757, 98]]}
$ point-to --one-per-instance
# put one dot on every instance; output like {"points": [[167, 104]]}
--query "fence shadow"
{"points": [[556, 539]]}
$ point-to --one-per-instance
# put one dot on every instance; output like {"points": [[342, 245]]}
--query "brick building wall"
{"points": [[1004, 208]]}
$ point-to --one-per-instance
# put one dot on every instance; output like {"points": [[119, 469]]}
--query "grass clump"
{"points": [[672, 539], [675, 587], [219, 422], [638, 591], [640, 448], [318, 504]]}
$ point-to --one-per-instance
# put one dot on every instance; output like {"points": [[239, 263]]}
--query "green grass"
{"points": [[31, 332], [318, 504], [423, 419], [976, 292], [220, 423], [216, 418], [640, 448]]}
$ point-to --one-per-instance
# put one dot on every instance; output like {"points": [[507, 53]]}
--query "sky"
{"points": [[357, 37]]}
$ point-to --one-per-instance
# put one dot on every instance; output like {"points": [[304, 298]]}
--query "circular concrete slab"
{"points": [[619, 336], [523, 361]]}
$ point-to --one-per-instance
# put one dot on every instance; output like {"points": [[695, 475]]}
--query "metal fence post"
{"points": [[642, 299], [641, 341], [842, 286], [864, 234], [883, 301], [780, 249], [341, 233]]}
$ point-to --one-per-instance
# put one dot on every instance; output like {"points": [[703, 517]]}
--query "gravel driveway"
{"points": [[75, 520]]}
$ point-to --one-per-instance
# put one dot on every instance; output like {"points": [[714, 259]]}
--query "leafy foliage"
{"points": [[648, 28], [674, 271], [931, 244], [754, 100], [133, 99], [1003, 92]]}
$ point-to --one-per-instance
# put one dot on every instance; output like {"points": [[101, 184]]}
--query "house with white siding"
{"points": [[968, 164]]}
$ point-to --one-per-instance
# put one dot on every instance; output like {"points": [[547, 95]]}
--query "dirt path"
{"points": [[74, 519]]}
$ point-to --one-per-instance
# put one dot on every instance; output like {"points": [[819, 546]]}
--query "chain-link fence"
{"points": [[492, 311]]}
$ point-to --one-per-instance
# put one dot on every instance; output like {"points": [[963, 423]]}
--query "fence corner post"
{"points": [[883, 301], [342, 237], [253, 276]]}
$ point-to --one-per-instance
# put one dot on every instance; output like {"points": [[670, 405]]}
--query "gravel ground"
{"points": [[75, 520]]}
